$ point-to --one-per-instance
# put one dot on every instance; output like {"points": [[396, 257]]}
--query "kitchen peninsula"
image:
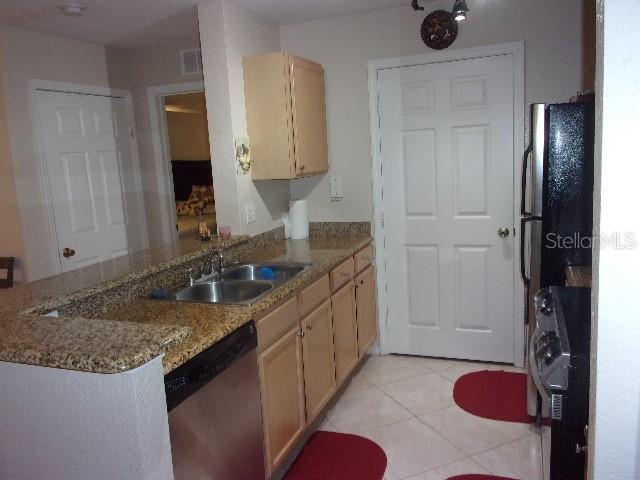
{"points": [[86, 388]]}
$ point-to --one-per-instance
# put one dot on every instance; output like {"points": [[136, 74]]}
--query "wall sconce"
{"points": [[460, 10]]}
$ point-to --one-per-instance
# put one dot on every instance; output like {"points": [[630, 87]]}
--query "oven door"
{"points": [[544, 397], [535, 377]]}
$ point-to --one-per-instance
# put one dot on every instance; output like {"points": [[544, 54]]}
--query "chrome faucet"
{"points": [[190, 279], [220, 262], [208, 268]]}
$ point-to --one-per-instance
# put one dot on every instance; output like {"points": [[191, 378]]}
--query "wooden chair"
{"points": [[6, 265]]}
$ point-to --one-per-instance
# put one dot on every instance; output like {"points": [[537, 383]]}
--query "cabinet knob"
{"points": [[503, 232], [301, 333], [68, 252], [310, 327]]}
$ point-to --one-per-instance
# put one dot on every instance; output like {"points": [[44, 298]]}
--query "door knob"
{"points": [[503, 232], [68, 252]]}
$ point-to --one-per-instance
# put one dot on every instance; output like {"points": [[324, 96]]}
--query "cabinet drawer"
{"points": [[342, 274], [314, 295], [273, 325], [363, 258]]}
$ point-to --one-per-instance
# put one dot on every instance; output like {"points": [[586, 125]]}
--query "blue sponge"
{"points": [[159, 294], [267, 273]]}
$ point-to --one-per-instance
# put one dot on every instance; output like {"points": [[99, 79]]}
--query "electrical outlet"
{"points": [[250, 210], [336, 189]]}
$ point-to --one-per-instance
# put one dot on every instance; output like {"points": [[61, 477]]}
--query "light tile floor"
{"points": [[405, 404]]}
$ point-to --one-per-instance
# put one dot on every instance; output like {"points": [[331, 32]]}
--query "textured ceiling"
{"points": [[134, 24], [285, 12]]}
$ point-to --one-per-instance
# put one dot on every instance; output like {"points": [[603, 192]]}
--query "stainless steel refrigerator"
{"points": [[557, 201]]}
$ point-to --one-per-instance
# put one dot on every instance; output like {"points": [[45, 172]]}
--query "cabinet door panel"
{"points": [[363, 258], [345, 330], [269, 117], [341, 274], [272, 326], [309, 117], [366, 310], [282, 391], [318, 359]]}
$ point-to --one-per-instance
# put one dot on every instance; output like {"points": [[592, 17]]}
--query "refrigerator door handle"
{"points": [[523, 270], [525, 164]]}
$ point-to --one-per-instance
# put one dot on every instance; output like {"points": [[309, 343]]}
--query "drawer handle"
{"points": [[368, 259], [346, 274]]}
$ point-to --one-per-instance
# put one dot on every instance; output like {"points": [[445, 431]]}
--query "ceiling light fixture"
{"points": [[72, 9], [460, 10]]}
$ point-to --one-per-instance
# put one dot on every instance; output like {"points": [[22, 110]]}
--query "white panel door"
{"points": [[447, 168], [90, 166]]}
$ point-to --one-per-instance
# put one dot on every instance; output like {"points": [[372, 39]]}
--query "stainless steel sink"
{"points": [[240, 284], [226, 292], [274, 272]]}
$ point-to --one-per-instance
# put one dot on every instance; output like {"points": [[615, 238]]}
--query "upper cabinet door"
{"points": [[269, 120], [286, 119], [309, 117]]}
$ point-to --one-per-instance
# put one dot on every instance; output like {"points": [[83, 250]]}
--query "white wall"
{"points": [[67, 425], [246, 35], [151, 67], [227, 34], [552, 31], [615, 405], [26, 56], [11, 240]]}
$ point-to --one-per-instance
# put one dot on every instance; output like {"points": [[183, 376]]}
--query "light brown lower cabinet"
{"points": [[302, 362], [345, 331], [282, 392], [366, 309], [318, 359]]}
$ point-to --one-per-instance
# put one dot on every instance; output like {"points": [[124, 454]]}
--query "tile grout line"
{"points": [[428, 370]]}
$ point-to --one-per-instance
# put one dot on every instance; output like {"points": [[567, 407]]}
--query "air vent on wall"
{"points": [[191, 61]]}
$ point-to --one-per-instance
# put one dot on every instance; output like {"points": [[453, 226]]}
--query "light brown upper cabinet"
{"points": [[286, 118]]}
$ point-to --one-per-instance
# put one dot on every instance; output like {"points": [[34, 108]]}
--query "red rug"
{"points": [[478, 477], [338, 456], [495, 395]]}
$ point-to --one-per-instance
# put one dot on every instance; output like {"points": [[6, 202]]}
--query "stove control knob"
{"points": [[546, 305]]}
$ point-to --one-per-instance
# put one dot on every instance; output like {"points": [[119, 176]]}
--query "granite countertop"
{"points": [[210, 322], [91, 344], [133, 331]]}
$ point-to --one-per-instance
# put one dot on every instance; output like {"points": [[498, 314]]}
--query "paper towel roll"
{"points": [[298, 219]]}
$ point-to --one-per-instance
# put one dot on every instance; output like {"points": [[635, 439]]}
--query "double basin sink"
{"points": [[241, 284]]}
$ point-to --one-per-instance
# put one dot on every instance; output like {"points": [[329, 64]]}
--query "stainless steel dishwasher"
{"points": [[215, 418]]}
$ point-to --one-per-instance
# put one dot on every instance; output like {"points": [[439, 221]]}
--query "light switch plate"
{"points": [[251, 212], [336, 191]]}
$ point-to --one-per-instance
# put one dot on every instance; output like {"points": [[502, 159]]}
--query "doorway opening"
{"points": [[190, 156]]}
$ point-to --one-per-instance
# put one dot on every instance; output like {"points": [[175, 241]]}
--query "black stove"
{"points": [[559, 365]]}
